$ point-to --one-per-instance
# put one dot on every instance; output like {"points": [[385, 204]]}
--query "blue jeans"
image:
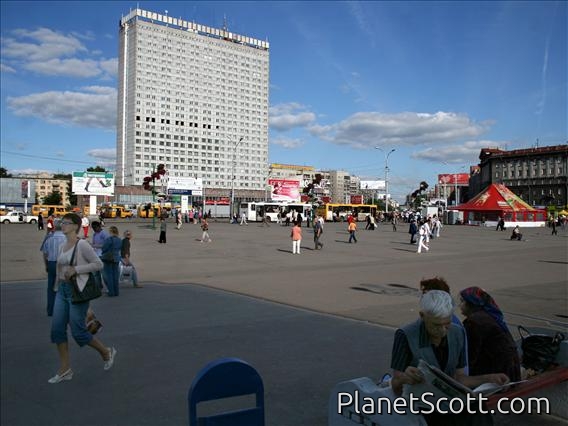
{"points": [[65, 312], [110, 273], [352, 236], [51, 273]]}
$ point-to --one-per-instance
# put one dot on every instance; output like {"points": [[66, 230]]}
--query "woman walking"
{"points": [[74, 314], [296, 236]]}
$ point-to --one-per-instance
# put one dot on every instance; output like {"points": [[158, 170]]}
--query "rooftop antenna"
{"points": [[536, 146], [225, 27]]}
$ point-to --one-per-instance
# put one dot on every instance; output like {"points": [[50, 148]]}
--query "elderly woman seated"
{"points": [[491, 348]]}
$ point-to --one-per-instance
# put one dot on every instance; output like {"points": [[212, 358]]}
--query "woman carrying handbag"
{"points": [[76, 261]]}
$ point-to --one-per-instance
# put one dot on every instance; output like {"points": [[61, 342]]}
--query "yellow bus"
{"points": [[46, 210], [339, 212], [114, 211]]}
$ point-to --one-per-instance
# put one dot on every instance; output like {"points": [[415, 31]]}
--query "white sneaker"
{"points": [[109, 363], [68, 375]]}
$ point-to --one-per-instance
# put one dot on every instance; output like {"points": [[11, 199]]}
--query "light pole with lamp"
{"points": [[233, 177], [387, 155]]}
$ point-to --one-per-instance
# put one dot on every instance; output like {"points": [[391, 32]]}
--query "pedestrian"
{"points": [[50, 219], [368, 219], [39, 222], [424, 238], [110, 255], [279, 217], [50, 249], [413, 230], [163, 228], [500, 224], [85, 225], [125, 258], [436, 226], [318, 230], [352, 228], [296, 235], [66, 313], [288, 217], [205, 228], [244, 219], [99, 236], [178, 220], [553, 225], [394, 221], [265, 219]]}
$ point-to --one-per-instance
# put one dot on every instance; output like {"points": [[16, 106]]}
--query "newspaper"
{"points": [[444, 387]]}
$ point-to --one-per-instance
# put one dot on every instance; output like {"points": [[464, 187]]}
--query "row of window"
{"points": [[533, 173]]}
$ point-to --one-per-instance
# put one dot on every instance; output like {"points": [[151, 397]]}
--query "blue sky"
{"points": [[436, 81]]}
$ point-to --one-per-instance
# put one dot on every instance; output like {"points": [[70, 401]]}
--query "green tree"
{"points": [[4, 173], [53, 199], [96, 169]]}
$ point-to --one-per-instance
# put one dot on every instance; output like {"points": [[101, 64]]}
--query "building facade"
{"points": [[537, 175], [195, 99], [342, 185]]}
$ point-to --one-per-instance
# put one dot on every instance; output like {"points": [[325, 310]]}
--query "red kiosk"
{"points": [[496, 202]]}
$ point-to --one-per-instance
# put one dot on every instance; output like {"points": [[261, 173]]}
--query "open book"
{"points": [[443, 386]]}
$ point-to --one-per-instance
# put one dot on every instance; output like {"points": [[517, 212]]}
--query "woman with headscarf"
{"points": [[491, 348]]}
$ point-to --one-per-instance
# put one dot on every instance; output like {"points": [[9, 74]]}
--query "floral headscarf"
{"points": [[480, 298]]}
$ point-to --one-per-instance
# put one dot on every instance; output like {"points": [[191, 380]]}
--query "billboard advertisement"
{"points": [[185, 186], [377, 185], [453, 179], [92, 183], [284, 189], [356, 199]]}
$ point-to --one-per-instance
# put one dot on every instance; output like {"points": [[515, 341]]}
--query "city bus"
{"points": [[255, 210], [332, 212]]}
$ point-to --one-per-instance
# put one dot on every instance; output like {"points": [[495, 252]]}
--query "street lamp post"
{"points": [[233, 176], [387, 155]]}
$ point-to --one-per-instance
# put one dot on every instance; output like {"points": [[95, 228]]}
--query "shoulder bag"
{"points": [[92, 289], [539, 350]]}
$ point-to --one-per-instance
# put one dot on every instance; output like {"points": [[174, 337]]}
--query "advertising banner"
{"points": [[25, 189], [92, 183], [356, 199], [373, 184], [453, 179], [185, 186], [284, 189]]}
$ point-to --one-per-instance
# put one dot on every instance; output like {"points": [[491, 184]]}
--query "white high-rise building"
{"points": [[194, 98]]}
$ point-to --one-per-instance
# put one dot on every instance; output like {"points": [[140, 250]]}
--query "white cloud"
{"points": [[47, 52], [6, 68], [82, 68], [287, 143], [109, 66], [27, 172], [94, 107], [369, 129], [44, 45], [287, 116], [462, 153], [103, 154]]}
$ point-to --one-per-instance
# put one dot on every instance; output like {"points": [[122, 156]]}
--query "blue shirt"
{"points": [[51, 245]]}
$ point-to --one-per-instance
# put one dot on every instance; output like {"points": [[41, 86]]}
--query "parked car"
{"points": [[18, 217]]}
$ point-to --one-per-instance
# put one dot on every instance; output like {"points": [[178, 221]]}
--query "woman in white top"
{"points": [[67, 313]]}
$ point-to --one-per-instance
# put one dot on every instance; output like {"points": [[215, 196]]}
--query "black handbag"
{"points": [[92, 289], [539, 350]]}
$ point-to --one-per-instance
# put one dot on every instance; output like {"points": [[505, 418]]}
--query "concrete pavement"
{"points": [[305, 322]]}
